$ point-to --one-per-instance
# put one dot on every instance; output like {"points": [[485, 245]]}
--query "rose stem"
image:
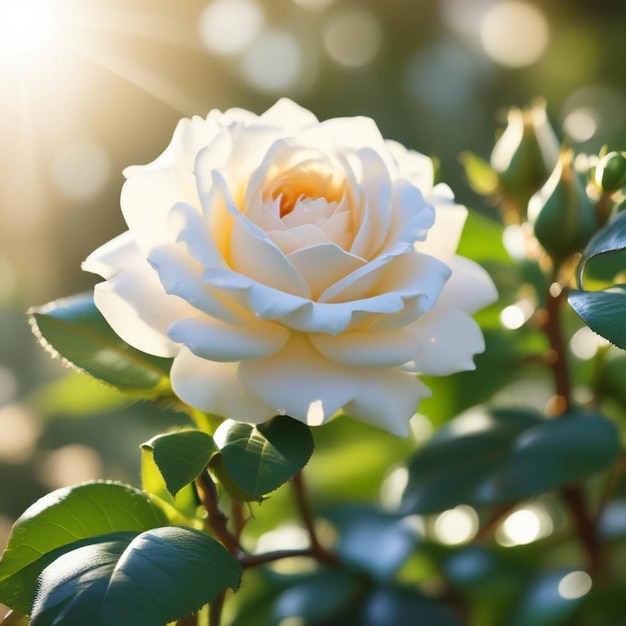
{"points": [[572, 495], [215, 609], [217, 520], [316, 549]]}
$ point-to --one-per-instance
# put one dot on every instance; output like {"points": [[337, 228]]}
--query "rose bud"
{"points": [[561, 213], [524, 156], [610, 172]]}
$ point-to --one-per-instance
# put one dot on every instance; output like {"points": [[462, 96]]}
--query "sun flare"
{"points": [[24, 26]]}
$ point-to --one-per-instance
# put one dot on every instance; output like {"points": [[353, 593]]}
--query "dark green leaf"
{"points": [[61, 518], [149, 579], [182, 456], [545, 602], [261, 458], [318, 597], [75, 329], [503, 456], [603, 311], [396, 606], [611, 238], [373, 540]]}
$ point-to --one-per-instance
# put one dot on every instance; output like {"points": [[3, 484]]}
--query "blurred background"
{"points": [[88, 87]]}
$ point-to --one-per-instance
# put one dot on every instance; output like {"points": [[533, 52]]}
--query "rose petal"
{"points": [[444, 236], [190, 228], [114, 256], [354, 133], [215, 388], [181, 276], [253, 254], [139, 311], [411, 165], [387, 399], [288, 115], [388, 348], [412, 216], [311, 389], [323, 265], [375, 190], [449, 339], [470, 287], [214, 340], [298, 380], [151, 190]]}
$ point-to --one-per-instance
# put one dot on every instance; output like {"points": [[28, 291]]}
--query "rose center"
{"points": [[299, 185]]}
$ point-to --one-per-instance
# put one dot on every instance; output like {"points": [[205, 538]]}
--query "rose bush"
{"points": [[292, 266]]}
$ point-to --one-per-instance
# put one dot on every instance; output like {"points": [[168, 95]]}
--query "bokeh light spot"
{"points": [[69, 465], [575, 585], [353, 38], [80, 170], [228, 27], [524, 526], [19, 431], [24, 26], [274, 62], [515, 34], [314, 5], [456, 525], [584, 344], [581, 124]]}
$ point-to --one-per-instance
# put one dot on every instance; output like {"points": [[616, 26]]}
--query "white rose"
{"points": [[292, 266]]}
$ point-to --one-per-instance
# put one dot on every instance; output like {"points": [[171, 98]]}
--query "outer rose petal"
{"points": [[114, 256], [215, 388], [443, 238], [449, 339], [311, 389], [470, 287], [139, 311]]}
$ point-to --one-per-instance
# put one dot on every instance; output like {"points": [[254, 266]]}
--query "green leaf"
{"points": [[603, 311], [398, 606], [150, 579], [480, 175], [317, 597], [506, 455], [61, 518], [372, 540], [261, 458], [182, 509], [182, 456], [75, 329], [611, 238], [545, 604]]}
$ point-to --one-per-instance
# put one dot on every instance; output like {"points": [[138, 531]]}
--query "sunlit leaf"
{"points": [[61, 518], [261, 458], [181, 456], [128, 579], [75, 329], [506, 455], [480, 175]]}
